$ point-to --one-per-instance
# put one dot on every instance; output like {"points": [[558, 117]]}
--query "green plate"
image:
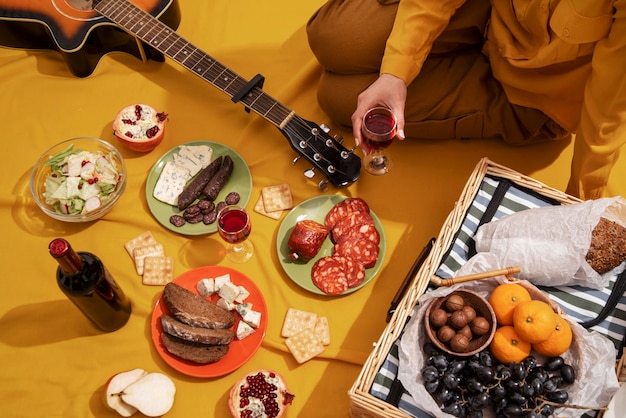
{"points": [[240, 181], [316, 209]]}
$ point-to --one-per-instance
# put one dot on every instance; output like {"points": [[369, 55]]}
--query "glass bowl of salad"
{"points": [[78, 180]]}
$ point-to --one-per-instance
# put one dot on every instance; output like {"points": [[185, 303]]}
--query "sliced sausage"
{"points": [[367, 231], [349, 221], [359, 249], [343, 208], [329, 275]]}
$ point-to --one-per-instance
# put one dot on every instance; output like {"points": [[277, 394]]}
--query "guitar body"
{"points": [[81, 35]]}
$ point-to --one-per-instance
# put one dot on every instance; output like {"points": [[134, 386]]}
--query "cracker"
{"points": [[322, 330], [158, 271], [140, 254], [304, 345], [139, 241], [260, 208], [296, 321], [277, 197]]}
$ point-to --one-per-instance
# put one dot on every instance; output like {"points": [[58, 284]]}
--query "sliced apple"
{"points": [[115, 385], [153, 394]]}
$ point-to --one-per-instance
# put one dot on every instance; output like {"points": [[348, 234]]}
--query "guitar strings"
{"points": [[164, 39]]}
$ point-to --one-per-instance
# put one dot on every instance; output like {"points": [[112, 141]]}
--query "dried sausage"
{"points": [[194, 189], [349, 221], [355, 272], [367, 231], [177, 220], [219, 180], [359, 249], [306, 239], [329, 275], [343, 209]]}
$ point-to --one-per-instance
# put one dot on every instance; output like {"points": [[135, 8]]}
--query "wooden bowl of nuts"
{"points": [[461, 323]]}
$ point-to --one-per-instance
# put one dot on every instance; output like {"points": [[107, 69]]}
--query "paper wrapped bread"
{"points": [[581, 243]]}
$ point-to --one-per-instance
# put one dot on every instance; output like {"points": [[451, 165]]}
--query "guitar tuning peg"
{"points": [[296, 159], [346, 154], [309, 173], [323, 185], [324, 128], [338, 138]]}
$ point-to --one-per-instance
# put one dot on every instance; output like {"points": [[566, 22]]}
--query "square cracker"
{"points": [[304, 345], [140, 254], [142, 240], [158, 270], [260, 208], [296, 321], [322, 330], [277, 197]]}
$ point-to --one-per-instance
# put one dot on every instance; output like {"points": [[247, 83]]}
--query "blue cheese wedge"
{"points": [[171, 183], [244, 330], [252, 318], [226, 304], [243, 308], [206, 287], [193, 157], [243, 295], [229, 291]]}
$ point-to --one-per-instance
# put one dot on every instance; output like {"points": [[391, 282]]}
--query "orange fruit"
{"points": [[558, 342], [505, 298], [507, 346], [534, 321]]}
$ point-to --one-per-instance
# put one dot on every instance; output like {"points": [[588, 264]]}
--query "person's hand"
{"points": [[388, 91]]}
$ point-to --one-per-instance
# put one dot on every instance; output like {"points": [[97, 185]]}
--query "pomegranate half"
{"points": [[140, 127], [259, 394]]}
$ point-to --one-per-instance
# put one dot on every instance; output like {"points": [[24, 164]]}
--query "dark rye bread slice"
{"points": [[196, 334], [194, 352], [195, 310]]}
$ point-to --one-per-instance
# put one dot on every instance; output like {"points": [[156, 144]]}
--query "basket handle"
{"points": [[507, 271]]}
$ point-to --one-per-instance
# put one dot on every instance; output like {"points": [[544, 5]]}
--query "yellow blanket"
{"points": [[55, 363]]}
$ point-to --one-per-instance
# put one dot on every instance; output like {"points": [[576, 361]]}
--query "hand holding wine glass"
{"points": [[233, 225], [379, 130]]}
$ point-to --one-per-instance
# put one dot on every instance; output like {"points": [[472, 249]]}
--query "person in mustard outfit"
{"points": [[524, 71]]}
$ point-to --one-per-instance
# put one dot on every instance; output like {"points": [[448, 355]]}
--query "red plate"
{"points": [[239, 352]]}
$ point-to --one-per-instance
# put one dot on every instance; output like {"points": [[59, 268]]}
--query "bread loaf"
{"points": [[608, 246], [196, 334], [194, 310], [194, 352]]}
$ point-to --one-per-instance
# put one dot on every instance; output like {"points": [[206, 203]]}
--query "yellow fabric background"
{"points": [[55, 363]]}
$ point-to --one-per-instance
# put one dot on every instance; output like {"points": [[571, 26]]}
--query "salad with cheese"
{"points": [[80, 181]]}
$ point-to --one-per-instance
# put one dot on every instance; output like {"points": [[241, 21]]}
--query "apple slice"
{"points": [[152, 394], [115, 385]]}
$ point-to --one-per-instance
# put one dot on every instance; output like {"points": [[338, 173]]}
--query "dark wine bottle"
{"points": [[83, 278]]}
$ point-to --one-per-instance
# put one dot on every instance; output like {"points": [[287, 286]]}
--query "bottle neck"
{"points": [[69, 260]]}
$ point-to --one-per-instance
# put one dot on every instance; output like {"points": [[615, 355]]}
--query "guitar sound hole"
{"points": [[80, 4]]}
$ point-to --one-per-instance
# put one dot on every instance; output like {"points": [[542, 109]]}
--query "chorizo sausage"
{"points": [[329, 275], [343, 209], [306, 239]]}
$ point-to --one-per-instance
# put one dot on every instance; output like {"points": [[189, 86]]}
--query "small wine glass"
{"points": [[233, 225], [379, 130]]}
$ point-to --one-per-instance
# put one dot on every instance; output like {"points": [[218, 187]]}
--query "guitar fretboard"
{"points": [[162, 38]]}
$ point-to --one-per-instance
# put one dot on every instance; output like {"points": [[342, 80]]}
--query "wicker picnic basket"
{"points": [[362, 403]]}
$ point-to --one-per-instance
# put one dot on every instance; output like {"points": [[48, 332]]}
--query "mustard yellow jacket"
{"points": [[564, 57]]}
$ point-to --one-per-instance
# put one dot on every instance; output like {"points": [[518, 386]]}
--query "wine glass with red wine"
{"points": [[233, 225], [379, 130]]}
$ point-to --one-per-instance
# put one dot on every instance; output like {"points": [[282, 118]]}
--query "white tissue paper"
{"points": [[550, 243]]}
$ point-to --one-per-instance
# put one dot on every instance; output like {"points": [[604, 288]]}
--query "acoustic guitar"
{"points": [[81, 27], [78, 32]]}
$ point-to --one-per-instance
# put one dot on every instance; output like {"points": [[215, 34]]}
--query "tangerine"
{"points": [[558, 342], [505, 298], [534, 321], [508, 347]]}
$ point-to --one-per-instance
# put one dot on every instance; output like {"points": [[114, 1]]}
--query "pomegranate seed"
{"points": [[151, 133], [128, 134], [128, 122], [161, 116], [138, 112]]}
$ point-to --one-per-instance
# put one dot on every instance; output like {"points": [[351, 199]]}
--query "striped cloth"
{"points": [[495, 198]]}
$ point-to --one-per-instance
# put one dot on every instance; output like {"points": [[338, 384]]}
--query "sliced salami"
{"points": [[367, 231], [343, 209], [359, 249], [355, 272], [329, 275], [349, 221]]}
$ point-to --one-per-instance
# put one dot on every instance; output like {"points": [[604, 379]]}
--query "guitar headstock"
{"points": [[340, 165]]}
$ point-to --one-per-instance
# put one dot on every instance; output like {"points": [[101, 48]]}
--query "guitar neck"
{"points": [[162, 38]]}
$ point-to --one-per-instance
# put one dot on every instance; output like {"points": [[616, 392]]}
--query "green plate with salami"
{"points": [[316, 209], [240, 182]]}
